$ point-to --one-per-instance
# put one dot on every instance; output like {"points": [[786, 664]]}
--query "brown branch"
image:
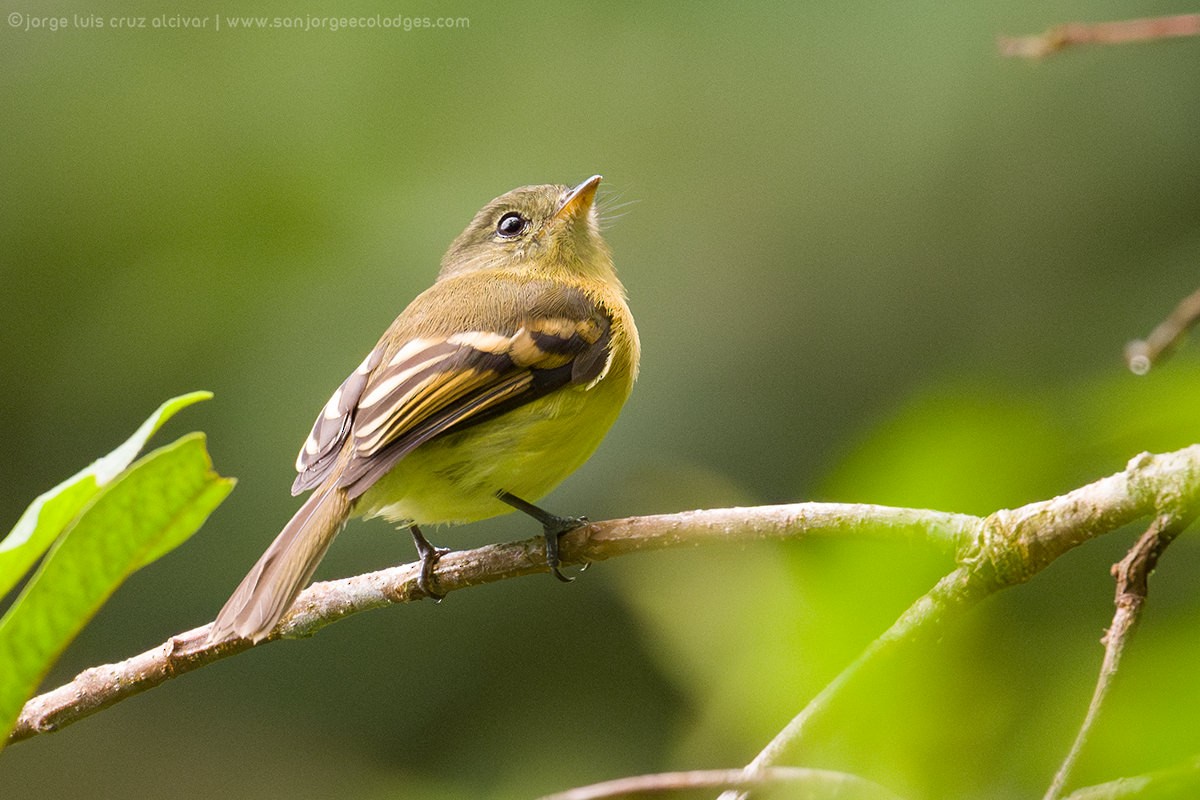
{"points": [[1073, 34], [1141, 354], [323, 603], [1132, 574], [808, 782], [1007, 548], [1012, 547]]}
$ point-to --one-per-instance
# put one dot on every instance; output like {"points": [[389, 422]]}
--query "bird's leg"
{"points": [[429, 557], [553, 526]]}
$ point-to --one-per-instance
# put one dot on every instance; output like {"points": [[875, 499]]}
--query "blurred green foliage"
{"points": [[870, 261], [53, 511], [111, 519]]}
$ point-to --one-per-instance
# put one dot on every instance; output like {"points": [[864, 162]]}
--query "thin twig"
{"points": [[1073, 34], [1141, 354], [1011, 548], [1132, 574], [808, 782], [1181, 780], [952, 595], [1007, 548], [323, 603]]}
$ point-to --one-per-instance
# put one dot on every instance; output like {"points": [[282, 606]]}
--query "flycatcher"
{"points": [[494, 385]]}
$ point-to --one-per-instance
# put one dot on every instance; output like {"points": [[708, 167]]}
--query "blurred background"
{"points": [[870, 261]]}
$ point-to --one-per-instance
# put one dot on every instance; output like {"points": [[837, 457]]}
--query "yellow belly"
{"points": [[526, 452]]}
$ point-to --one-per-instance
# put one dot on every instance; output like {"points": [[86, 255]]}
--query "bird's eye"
{"points": [[511, 224]]}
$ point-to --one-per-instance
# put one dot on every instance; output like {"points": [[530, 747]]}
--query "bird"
{"points": [[488, 390]]}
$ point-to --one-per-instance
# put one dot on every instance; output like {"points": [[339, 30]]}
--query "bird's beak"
{"points": [[579, 200]]}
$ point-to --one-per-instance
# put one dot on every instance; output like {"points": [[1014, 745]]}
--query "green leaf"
{"points": [[147, 511], [52, 512]]}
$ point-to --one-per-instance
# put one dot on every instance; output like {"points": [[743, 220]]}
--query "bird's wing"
{"points": [[401, 397]]}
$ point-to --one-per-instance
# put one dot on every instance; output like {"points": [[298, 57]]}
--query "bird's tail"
{"points": [[267, 592]]}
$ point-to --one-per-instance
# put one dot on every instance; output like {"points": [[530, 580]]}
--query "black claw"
{"points": [[425, 578], [429, 556], [553, 526]]}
